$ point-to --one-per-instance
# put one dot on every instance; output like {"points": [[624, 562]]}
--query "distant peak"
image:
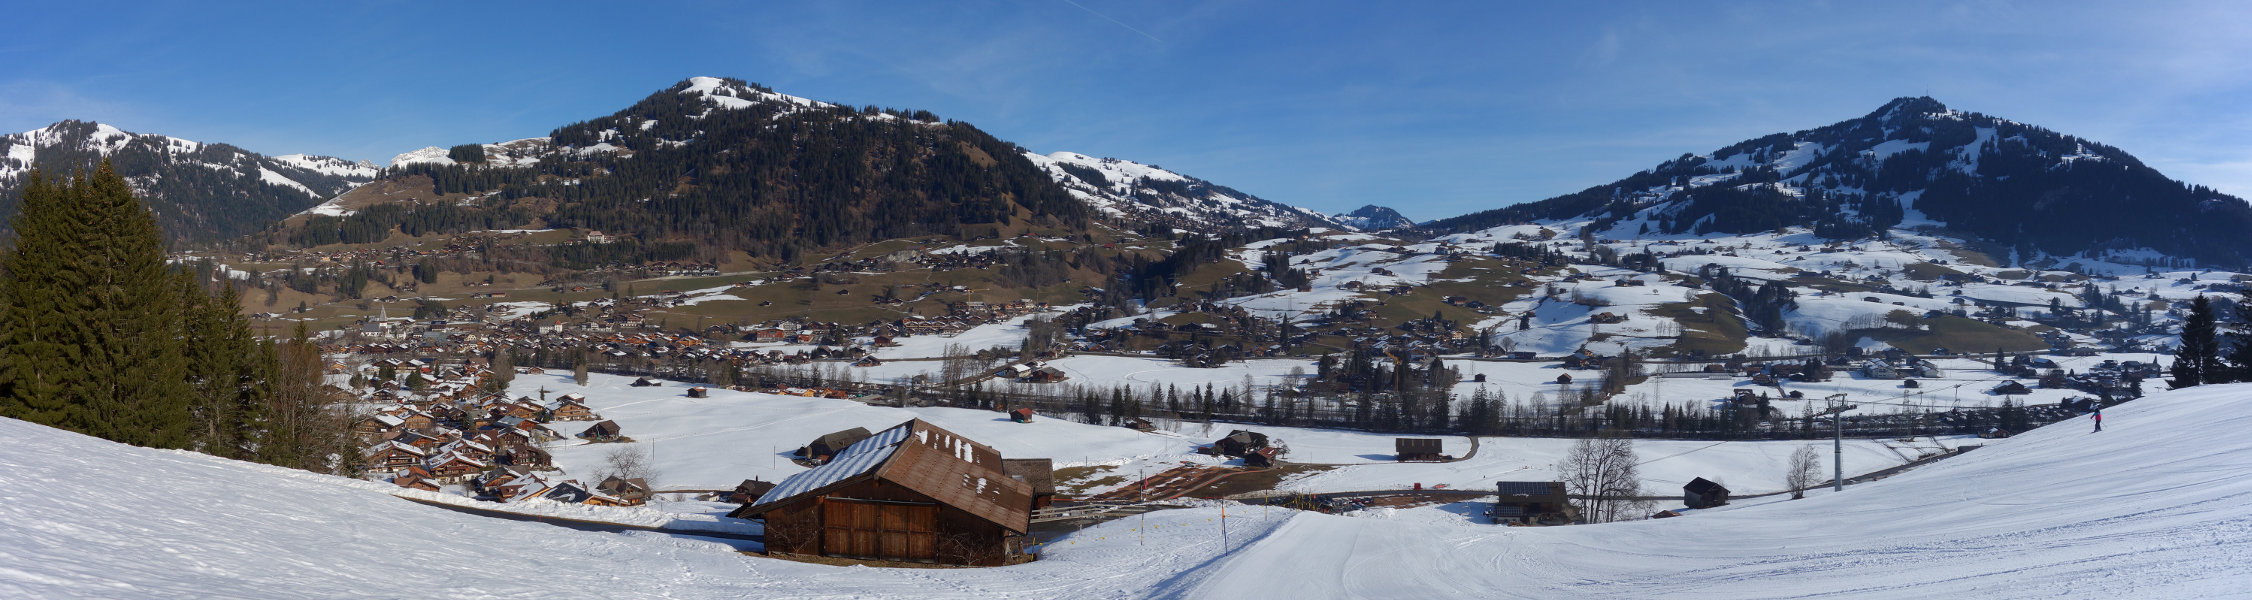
{"points": [[1909, 105]]}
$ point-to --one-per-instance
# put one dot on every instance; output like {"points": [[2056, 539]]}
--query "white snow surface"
{"points": [[2152, 508], [433, 155]]}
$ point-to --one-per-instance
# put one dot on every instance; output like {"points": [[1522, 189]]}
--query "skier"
{"points": [[2098, 417]]}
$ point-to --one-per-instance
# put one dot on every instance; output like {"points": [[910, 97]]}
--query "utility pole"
{"points": [[1837, 450]]}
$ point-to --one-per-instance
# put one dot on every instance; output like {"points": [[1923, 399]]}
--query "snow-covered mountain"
{"points": [[2151, 508], [200, 191], [1915, 162], [1374, 218], [1123, 188]]}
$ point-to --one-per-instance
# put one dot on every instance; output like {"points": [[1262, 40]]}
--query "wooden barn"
{"points": [[914, 492], [1419, 449], [1040, 473], [1703, 493], [1238, 443], [1532, 502], [749, 491], [1021, 415], [829, 445]]}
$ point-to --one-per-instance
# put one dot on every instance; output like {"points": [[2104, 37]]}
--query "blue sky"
{"points": [[1434, 108]]}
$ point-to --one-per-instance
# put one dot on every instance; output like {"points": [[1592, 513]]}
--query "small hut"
{"points": [[646, 382], [699, 392], [1703, 493], [1021, 415]]}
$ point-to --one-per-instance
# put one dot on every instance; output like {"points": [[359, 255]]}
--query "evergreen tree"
{"points": [[2240, 338], [94, 322], [2198, 361], [225, 367]]}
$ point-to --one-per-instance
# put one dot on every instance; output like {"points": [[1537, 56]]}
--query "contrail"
{"points": [[1120, 23]]}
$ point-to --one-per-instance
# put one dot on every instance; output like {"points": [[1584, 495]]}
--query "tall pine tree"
{"points": [[2198, 361]]}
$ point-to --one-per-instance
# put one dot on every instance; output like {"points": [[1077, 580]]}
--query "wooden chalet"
{"points": [[1238, 443], [699, 392], [634, 491], [606, 431], [1419, 449], [570, 409], [415, 482], [1532, 502], [395, 455], [914, 492], [1021, 415], [524, 456], [1703, 493]]}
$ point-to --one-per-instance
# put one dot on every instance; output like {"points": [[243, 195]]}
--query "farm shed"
{"points": [[1529, 502], [914, 492], [1419, 449], [1703, 493]]}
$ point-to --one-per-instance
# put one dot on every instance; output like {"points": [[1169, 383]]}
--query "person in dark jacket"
{"points": [[2098, 417]]}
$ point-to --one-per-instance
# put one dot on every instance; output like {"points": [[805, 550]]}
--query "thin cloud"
{"points": [[1120, 23]]}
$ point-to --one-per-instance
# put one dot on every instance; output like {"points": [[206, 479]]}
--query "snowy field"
{"points": [[717, 442], [2151, 508], [1746, 467]]}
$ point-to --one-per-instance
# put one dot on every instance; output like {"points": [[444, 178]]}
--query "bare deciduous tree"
{"points": [[627, 461], [1805, 469], [1601, 471]]}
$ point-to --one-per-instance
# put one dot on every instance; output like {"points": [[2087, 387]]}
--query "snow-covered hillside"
{"points": [[1125, 188], [2150, 508]]}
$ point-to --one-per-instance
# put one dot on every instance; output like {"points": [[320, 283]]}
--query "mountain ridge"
{"points": [[199, 191]]}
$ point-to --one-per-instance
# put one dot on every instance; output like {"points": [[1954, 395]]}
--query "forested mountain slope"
{"points": [[2015, 184], [200, 191]]}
